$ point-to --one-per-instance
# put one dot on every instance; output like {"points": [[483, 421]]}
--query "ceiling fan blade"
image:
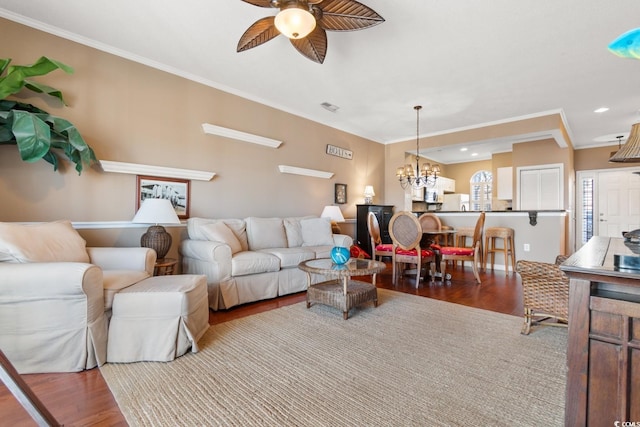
{"points": [[260, 32], [314, 46], [347, 15], [261, 3]]}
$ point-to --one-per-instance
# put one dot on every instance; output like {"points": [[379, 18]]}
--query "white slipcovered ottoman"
{"points": [[158, 319]]}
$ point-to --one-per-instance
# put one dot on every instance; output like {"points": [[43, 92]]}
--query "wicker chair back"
{"points": [[405, 230], [430, 221]]}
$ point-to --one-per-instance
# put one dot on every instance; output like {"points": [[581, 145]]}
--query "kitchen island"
{"points": [[603, 352]]}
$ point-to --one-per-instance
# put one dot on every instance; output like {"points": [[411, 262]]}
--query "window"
{"points": [[481, 184], [587, 209]]}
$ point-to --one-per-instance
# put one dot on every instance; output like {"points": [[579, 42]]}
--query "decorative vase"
{"points": [[340, 255]]}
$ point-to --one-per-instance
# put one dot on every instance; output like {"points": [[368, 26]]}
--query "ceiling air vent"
{"points": [[330, 107]]}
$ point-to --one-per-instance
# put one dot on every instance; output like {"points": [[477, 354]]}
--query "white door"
{"points": [[540, 187], [618, 203]]}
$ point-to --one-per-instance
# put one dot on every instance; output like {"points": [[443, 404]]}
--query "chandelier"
{"points": [[418, 177]]}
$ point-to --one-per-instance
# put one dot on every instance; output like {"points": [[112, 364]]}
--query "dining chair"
{"points": [[406, 233], [378, 248], [430, 222], [473, 254]]}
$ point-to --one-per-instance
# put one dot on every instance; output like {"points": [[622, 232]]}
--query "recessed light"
{"points": [[474, 154], [601, 110], [464, 149]]}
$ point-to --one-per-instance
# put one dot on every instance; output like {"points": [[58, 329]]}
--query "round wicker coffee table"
{"points": [[340, 291]]}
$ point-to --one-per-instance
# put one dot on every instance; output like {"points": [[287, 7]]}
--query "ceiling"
{"points": [[469, 63]]}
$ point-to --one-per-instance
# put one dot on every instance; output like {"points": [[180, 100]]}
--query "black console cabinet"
{"points": [[383, 213]]}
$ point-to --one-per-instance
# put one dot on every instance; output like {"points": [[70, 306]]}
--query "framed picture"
{"points": [[173, 189], [341, 194]]}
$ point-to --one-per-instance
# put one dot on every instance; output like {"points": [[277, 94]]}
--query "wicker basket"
{"points": [[545, 290]]}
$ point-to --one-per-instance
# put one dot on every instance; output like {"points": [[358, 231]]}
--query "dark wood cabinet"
{"points": [[383, 213], [603, 352]]}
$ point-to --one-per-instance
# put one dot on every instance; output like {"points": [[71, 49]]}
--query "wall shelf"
{"points": [[138, 169], [306, 172], [241, 136]]}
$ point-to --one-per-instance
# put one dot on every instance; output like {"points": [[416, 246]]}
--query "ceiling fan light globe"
{"points": [[295, 22]]}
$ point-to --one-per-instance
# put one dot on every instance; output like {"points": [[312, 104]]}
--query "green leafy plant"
{"points": [[38, 134]]}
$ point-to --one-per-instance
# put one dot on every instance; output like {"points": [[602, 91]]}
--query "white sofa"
{"points": [[252, 259], [56, 295]]}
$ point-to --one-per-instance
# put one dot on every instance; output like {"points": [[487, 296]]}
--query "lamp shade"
{"points": [[333, 213], [156, 211], [368, 194], [294, 21], [630, 151]]}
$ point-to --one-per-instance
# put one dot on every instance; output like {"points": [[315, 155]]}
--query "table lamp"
{"points": [[335, 216], [368, 194], [156, 211]]}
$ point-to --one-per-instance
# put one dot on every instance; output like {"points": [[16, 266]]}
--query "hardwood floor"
{"points": [[83, 399]]}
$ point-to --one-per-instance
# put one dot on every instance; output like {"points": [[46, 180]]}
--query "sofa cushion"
{"points": [[316, 232], [116, 280], [293, 228], [238, 226], [220, 232], [291, 257], [54, 241], [250, 262], [263, 233]]}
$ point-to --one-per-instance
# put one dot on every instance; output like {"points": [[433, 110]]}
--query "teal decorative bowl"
{"points": [[340, 255]]}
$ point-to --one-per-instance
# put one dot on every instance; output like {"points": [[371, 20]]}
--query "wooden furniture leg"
{"points": [[27, 398]]}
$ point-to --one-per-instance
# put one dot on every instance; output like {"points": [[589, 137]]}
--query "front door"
{"points": [[618, 203]]}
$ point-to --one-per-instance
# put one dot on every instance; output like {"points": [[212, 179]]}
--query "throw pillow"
{"points": [[266, 233], [219, 232], [358, 252], [294, 231], [316, 232], [49, 242]]}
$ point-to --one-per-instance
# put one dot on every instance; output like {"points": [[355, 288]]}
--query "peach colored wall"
{"points": [[462, 173], [129, 112], [597, 158]]}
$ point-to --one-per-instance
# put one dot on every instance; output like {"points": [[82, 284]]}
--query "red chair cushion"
{"points": [[384, 247], [357, 252], [413, 252], [452, 250]]}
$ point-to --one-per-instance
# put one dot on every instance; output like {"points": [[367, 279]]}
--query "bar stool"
{"points": [[491, 234]]}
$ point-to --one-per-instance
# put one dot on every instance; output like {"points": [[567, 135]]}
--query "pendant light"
{"points": [[630, 151], [419, 177]]}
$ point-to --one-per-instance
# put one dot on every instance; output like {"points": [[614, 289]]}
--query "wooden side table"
{"points": [[165, 267]]}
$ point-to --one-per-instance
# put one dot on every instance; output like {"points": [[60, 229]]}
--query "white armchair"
{"points": [[52, 295]]}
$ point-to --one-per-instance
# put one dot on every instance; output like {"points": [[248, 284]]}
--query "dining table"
{"points": [[430, 237]]}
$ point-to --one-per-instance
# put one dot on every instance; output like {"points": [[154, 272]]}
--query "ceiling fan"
{"points": [[305, 23]]}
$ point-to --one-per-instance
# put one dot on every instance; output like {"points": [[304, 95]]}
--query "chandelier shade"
{"points": [[418, 176], [630, 151]]}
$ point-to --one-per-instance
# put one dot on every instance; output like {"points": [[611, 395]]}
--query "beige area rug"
{"points": [[412, 361]]}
